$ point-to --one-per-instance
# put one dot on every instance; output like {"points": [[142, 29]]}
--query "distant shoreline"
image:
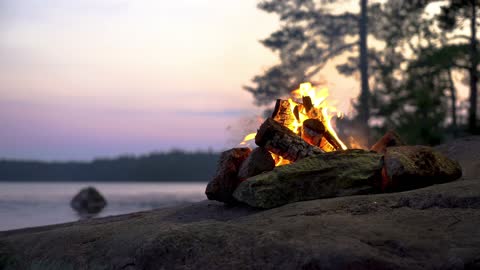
{"points": [[176, 166]]}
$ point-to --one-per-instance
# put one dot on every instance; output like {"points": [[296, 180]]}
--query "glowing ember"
{"points": [[305, 103], [279, 160]]}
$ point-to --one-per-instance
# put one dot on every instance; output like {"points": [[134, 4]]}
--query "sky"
{"points": [[81, 79]]}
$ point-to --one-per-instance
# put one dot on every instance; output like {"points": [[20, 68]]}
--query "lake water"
{"points": [[35, 204]]}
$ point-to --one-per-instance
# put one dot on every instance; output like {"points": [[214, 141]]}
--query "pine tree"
{"points": [[453, 15], [309, 36]]}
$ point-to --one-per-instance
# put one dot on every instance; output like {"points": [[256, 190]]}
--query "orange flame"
{"points": [[248, 138], [322, 111], [354, 144]]}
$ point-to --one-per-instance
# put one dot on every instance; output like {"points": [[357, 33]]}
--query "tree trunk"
{"points": [[472, 116], [364, 110], [453, 100]]}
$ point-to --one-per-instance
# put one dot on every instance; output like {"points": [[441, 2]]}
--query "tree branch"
{"points": [[329, 55]]}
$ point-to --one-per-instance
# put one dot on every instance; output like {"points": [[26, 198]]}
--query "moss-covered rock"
{"points": [[331, 174], [410, 167]]}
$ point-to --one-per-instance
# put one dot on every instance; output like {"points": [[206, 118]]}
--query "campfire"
{"points": [[299, 156], [307, 114]]}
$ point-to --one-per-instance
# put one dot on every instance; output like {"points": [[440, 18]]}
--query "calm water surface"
{"points": [[42, 203]]}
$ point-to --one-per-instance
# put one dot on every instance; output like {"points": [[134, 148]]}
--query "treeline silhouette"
{"points": [[163, 167]]}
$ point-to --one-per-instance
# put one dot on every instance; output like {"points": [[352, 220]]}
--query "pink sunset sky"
{"points": [[86, 78]]}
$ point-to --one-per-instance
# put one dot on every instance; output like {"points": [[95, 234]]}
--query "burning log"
{"points": [[333, 174], [226, 178], [283, 113], [312, 131], [260, 160], [310, 110], [307, 103], [391, 138], [410, 167], [296, 111], [280, 140], [328, 137], [315, 133]]}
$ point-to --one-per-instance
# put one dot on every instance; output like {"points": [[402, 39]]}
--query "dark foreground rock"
{"points": [[436, 227]]}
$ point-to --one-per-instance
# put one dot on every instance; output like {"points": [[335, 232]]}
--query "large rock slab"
{"points": [[326, 175], [429, 228]]}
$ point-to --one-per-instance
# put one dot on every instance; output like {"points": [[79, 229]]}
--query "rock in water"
{"points": [[226, 178], [88, 201], [331, 174], [410, 167], [260, 160]]}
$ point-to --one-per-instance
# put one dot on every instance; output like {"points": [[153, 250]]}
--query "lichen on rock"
{"points": [[326, 175]]}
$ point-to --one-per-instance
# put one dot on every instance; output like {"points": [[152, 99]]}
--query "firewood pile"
{"points": [[300, 157]]}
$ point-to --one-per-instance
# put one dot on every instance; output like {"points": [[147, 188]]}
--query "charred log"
{"points": [[226, 178], [283, 113], [280, 140], [332, 140], [391, 138], [310, 110], [296, 111], [312, 131], [260, 160], [307, 103]]}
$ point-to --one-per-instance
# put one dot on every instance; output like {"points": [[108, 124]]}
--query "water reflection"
{"points": [[36, 204]]}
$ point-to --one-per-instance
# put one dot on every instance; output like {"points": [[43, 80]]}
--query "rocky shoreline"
{"points": [[436, 227]]}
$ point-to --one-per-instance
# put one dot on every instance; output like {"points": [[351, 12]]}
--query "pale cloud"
{"points": [[127, 75]]}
